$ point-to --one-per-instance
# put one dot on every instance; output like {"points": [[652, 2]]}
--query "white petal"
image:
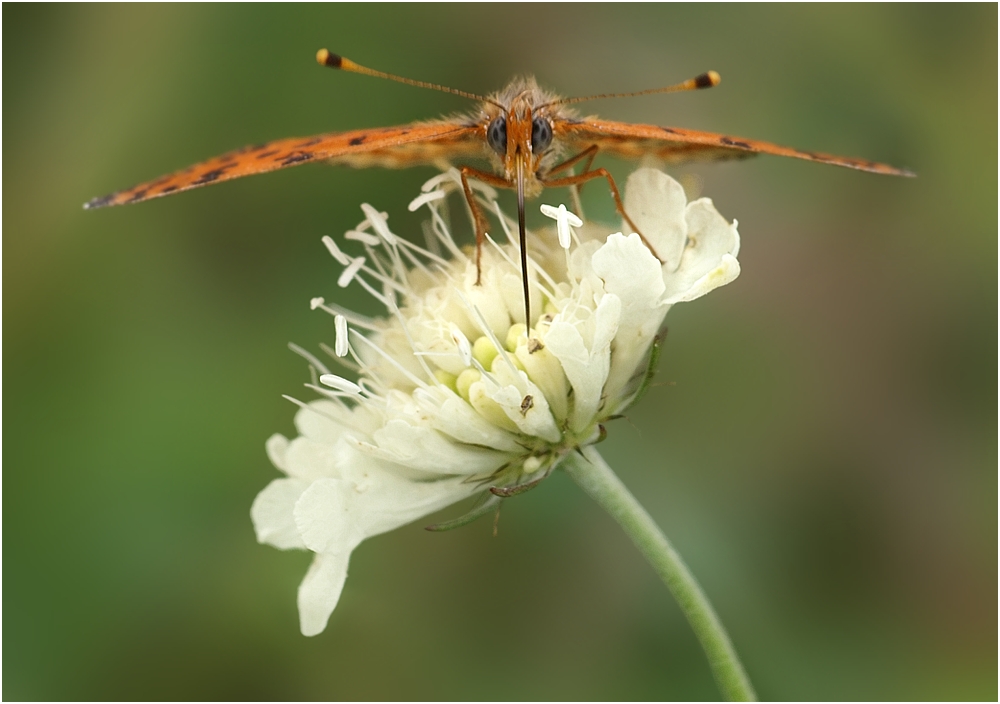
{"points": [[630, 271], [634, 275], [728, 269], [374, 496], [710, 239], [276, 447], [272, 513], [422, 447], [323, 517], [320, 591], [655, 202], [544, 369], [587, 370], [319, 421], [306, 459], [452, 415], [522, 402]]}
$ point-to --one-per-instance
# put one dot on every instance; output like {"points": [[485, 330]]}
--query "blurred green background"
{"points": [[824, 454]]}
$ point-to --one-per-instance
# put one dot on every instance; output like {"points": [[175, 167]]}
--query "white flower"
{"points": [[455, 396]]}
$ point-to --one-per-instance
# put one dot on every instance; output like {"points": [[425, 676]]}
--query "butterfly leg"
{"points": [[477, 213], [589, 153], [619, 206]]}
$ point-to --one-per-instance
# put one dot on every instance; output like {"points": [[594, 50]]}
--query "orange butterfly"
{"points": [[522, 131]]}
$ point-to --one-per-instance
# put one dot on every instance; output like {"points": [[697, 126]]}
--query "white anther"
{"points": [[378, 224], [340, 347], [335, 250], [350, 272], [359, 236], [315, 303], [451, 175], [564, 220], [366, 225], [340, 384], [425, 198]]}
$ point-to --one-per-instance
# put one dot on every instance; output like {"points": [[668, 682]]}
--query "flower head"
{"points": [[456, 394]]}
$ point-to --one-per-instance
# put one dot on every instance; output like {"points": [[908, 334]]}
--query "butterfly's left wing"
{"points": [[676, 145], [406, 145]]}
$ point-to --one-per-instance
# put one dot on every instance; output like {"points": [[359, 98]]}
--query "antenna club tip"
{"points": [[708, 79], [325, 57]]}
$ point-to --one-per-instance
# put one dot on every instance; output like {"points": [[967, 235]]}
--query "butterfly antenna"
{"points": [[328, 58], [708, 79]]}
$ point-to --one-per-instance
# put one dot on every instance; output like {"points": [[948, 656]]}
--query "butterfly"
{"points": [[531, 138]]}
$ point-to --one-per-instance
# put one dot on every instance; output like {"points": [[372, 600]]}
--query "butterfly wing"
{"points": [[393, 147], [676, 145]]}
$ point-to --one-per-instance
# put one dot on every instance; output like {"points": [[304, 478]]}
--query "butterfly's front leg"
{"points": [[588, 175], [589, 153], [477, 213]]}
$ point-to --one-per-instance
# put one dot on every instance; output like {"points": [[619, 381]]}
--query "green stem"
{"points": [[594, 475]]}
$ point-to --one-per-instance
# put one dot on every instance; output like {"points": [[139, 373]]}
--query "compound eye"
{"points": [[541, 134], [496, 135]]}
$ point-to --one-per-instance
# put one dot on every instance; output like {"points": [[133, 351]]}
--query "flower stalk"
{"points": [[589, 470]]}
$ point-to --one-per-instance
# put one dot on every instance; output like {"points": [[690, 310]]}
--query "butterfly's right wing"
{"points": [[677, 145], [407, 145]]}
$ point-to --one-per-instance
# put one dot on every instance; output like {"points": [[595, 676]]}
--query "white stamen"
{"points": [[440, 229], [464, 348], [449, 175], [365, 224], [340, 384], [316, 302], [488, 191], [340, 326], [488, 331], [378, 224], [385, 355], [335, 250], [303, 404], [356, 319], [425, 198], [313, 360], [350, 272], [374, 294], [503, 223], [359, 236], [564, 220]]}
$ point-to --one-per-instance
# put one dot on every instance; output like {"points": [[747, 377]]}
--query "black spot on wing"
{"points": [[669, 130], [168, 189], [355, 141], [138, 195], [99, 202], [266, 154], [296, 158], [309, 142], [209, 176], [730, 142]]}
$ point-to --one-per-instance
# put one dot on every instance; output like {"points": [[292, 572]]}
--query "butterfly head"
{"points": [[519, 132]]}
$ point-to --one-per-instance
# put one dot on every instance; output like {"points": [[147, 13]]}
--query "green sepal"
{"points": [[486, 503], [647, 379]]}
